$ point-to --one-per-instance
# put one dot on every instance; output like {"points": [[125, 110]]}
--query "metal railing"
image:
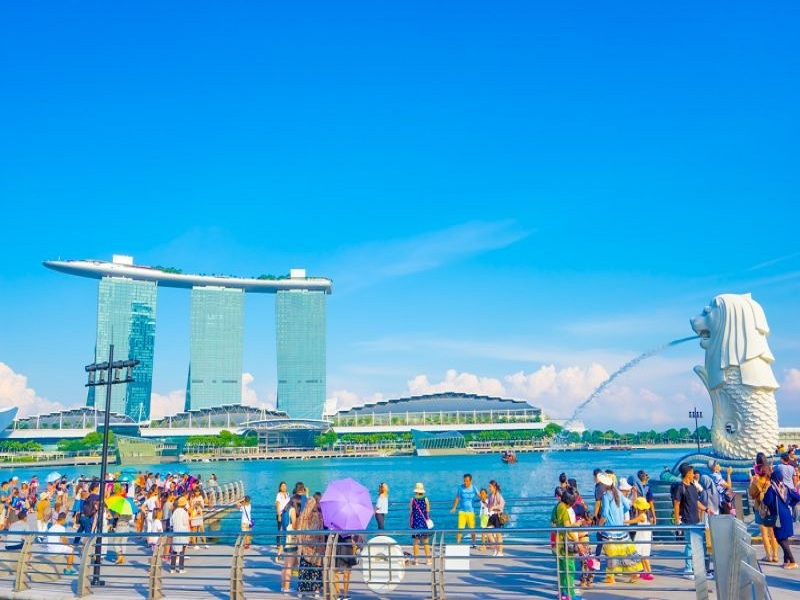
{"points": [[247, 564]]}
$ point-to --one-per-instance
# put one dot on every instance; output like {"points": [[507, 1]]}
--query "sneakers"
{"points": [[205, 546], [689, 576], [646, 576], [70, 572]]}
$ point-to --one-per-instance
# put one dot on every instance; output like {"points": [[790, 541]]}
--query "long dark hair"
{"points": [[495, 484], [614, 492]]}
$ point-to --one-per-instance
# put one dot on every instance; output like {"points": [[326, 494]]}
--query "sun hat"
{"points": [[605, 479], [419, 488], [641, 503], [624, 486], [43, 496], [182, 501]]}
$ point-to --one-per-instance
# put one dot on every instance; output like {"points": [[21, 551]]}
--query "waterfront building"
{"points": [[216, 337], [444, 411], [300, 336], [126, 318]]}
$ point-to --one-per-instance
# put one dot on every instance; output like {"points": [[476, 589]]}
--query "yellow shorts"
{"points": [[466, 519]]}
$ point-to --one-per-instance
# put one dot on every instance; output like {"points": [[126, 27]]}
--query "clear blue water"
{"points": [[533, 478]]}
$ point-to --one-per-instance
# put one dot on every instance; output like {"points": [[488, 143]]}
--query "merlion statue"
{"points": [[738, 375]]}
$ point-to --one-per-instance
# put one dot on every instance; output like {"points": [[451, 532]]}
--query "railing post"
{"points": [[21, 582], [329, 566], [237, 569], [154, 585], [86, 566]]}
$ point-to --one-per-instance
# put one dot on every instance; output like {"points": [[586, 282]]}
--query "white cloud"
{"points": [[389, 259], [165, 405], [791, 380], [565, 386], [457, 382], [14, 391], [249, 396]]}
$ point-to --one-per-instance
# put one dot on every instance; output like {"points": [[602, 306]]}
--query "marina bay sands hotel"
{"points": [[126, 317]]}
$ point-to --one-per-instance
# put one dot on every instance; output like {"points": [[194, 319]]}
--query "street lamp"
{"points": [[109, 373], [696, 414]]}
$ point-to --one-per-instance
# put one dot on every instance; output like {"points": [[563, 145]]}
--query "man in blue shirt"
{"points": [[464, 501]]}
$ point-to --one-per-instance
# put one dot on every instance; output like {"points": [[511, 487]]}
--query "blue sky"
{"points": [[511, 198]]}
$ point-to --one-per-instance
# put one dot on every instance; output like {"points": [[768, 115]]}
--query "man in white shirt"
{"points": [[58, 545]]}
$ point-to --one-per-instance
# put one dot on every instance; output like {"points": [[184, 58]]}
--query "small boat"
{"points": [[508, 457]]}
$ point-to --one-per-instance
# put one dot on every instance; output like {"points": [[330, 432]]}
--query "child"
{"points": [[484, 514], [642, 516], [155, 525]]}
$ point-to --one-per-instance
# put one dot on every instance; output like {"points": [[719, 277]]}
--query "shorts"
{"points": [[484, 521], [466, 519]]}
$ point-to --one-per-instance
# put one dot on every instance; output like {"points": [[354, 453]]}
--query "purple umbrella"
{"points": [[346, 505]]}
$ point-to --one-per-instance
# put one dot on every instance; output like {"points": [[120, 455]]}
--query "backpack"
{"points": [[285, 516], [89, 508]]}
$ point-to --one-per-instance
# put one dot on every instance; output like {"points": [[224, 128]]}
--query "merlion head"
{"points": [[733, 331]]}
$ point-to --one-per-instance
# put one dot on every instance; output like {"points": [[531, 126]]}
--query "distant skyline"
{"points": [[510, 200]]}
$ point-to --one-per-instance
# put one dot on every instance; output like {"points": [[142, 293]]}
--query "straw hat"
{"points": [[641, 503], [624, 486], [605, 479], [182, 501], [419, 488]]}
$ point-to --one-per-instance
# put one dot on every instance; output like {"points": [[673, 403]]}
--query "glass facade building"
{"points": [[216, 334], [300, 344], [126, 317]]}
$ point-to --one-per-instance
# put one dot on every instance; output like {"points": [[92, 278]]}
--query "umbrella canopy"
{"points": [[53, 477], [125, 478], [122, 506], [346, 505], [132, 471]]}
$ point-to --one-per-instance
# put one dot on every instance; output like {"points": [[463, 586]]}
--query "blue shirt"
{"points": [[609, 510], [466, 496]]}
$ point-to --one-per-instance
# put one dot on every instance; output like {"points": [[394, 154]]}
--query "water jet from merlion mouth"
{"points": [[603, 386], [559, 439]]}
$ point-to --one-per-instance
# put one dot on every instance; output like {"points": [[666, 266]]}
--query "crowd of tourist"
{"points": [[619, 503], [623, 506], [144, 502]]}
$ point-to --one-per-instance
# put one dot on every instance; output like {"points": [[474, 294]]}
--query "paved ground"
{"points": [[524, 572]]}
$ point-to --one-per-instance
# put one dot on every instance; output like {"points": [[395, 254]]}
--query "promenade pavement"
{"points": [[526, 571]]}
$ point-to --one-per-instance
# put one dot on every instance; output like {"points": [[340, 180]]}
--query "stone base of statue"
{"points": [[699, 461]]}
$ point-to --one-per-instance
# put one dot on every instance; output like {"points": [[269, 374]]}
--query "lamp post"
{"points": [[696, 414], [104, 370]]}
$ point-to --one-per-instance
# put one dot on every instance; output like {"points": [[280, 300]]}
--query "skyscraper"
{"points": [[126, 317], [216, 323], [300, 344]]}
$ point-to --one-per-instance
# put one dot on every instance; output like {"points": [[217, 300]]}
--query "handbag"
{"points": [[504, 518], [429, 523]]}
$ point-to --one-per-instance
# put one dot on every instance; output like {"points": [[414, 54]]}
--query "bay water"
{"points": [[528, 485]]}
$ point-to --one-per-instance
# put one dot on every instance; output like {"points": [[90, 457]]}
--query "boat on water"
{"points": [[509, 457]]}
